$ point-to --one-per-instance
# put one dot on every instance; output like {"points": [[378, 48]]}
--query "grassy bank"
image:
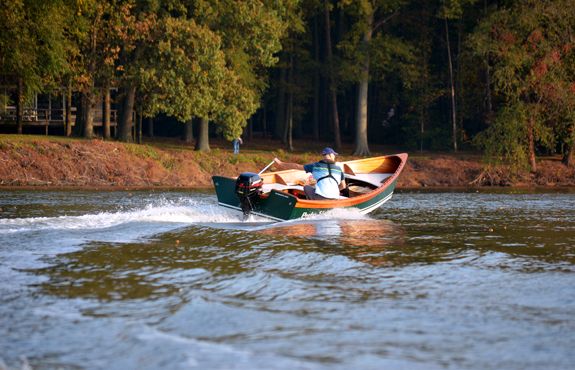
{"points": [[47, 161]]}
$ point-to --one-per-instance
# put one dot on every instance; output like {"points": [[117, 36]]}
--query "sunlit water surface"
{"points": [[169, 280]]}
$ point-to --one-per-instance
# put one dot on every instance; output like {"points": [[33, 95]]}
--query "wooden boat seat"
{"points": [[266, 188], [280, 184], [269, 187], [375, 179]]}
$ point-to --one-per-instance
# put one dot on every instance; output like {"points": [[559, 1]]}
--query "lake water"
{"points": [[169, 280]]}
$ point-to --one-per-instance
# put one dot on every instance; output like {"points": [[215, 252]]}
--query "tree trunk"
{"points": [[488, 100], [89, 94], [203, 142], [567, 159], [452, 86], [531, 139], [90, 99], [150, 121], [316, 80], [421, 128], [107, 110], [78, 129], [361, 145], [289, 123], [126, 123], [569, 147], [331, 83], [139, 127], [264, 120], [68, 117], [281, 108], [20, 106], [290, 107], [189, 131], [459, 84], [288, 132]]}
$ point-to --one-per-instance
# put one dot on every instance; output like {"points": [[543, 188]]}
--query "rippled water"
{"points": [[169, 280]]}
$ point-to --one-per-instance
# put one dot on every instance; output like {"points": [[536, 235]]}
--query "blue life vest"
{"points": [[328, 177]]}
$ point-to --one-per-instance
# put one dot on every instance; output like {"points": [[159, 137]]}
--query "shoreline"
{"points": [[438, 189], [47, 163]]}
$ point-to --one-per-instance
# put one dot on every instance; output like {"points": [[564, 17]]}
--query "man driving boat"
{"points": [[328, 175]]}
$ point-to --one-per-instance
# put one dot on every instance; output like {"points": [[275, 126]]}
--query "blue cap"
{"points": [[327, 151]]}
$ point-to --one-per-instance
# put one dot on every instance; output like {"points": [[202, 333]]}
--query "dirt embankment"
{"points": [[59, 162]]}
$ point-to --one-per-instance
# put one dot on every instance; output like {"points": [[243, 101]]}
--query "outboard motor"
{"points": [[248, 189]]}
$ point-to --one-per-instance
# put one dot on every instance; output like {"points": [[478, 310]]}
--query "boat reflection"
{"points": [[366, 240]]}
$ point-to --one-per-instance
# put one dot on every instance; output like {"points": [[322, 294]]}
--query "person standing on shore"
{"points": [[237, 141]]}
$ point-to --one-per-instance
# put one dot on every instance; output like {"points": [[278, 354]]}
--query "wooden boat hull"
{"points": [[285, 204]]}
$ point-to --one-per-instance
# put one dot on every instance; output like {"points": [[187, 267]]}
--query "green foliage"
{"points": [[185, 70], [280, 153], [453, 9], [143, 151], [260, 160], [212, 60], [32, 41], [207, 60], [309, 158], [169, 163], [393, 55], [245, 159], [530, 46], [208, 162], [149, 152], [387, 53], [4, 102], [234, 159], [95, 28], [505, 139]]}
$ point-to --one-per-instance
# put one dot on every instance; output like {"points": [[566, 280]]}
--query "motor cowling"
{"points": [[248, 189]]}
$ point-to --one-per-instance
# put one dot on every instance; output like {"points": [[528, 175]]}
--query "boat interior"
{"points": [[362, 176]]}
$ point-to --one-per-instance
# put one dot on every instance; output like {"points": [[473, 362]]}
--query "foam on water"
{"points": [[183, 212], [337, 214]]}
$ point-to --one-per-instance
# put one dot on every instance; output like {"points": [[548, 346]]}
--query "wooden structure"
{"points": [[48, 111]]}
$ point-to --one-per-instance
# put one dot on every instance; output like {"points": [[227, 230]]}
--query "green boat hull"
{"points": [[281, 206]]}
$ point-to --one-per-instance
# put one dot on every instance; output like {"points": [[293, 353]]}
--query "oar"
{"points": [[266, 167]]}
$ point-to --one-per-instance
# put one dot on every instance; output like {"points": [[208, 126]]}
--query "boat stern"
{"points": [[275, 205]]}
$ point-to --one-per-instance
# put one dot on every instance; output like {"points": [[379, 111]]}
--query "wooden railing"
{"points": [[36, 116], [50, 117]]}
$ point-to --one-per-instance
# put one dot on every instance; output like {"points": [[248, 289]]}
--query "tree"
{"points": [[207, 62], [367, 46], [33, 46], [93, 66], [557, 87], [186, 71], [251, 34], [530, 46], [296, 82], [450, 10], [331, 77], [426, 86], [133, 25]]}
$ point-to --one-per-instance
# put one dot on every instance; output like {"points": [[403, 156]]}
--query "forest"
{"points": [[440, 75]]}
